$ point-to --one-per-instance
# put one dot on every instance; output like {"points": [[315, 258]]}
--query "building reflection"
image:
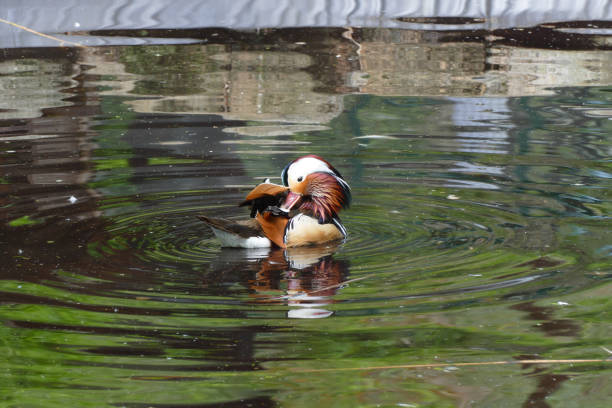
{"points": [[430, 63], [299, 76], [46, 165]]}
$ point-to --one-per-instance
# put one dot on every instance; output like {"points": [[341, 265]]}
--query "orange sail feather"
{"points": [[266, 189]]}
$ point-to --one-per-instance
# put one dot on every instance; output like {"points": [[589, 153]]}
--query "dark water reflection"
{"points": [[480, 229]]}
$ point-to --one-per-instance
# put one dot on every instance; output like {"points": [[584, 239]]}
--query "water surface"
{"points": [[479, 231]]}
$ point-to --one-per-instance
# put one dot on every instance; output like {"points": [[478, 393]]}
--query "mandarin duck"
{"points": [[302, 211]]}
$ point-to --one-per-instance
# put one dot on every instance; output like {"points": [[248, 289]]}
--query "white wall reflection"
{"points": [[483, 124]]}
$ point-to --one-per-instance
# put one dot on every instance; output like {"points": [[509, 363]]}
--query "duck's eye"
{"points": [[299, 179]]}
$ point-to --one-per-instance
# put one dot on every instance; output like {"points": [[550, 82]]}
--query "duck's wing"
{"points": [[241, 234], [243, 228], [256, 232], [263, 196]]}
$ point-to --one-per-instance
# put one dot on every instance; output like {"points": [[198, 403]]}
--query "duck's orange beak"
{"points": [[291, 200]]}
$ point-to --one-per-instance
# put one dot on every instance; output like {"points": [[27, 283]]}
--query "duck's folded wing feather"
{"points": [[243, 228], [237, 234]]}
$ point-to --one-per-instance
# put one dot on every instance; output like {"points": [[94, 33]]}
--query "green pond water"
{"points": [[479, 232]]}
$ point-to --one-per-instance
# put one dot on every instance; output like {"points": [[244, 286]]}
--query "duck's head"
{"points": [[315, 186]]}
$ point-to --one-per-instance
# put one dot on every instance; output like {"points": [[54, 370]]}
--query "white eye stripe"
{"points": [[306, 166]]}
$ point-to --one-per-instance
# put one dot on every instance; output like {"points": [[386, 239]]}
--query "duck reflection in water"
{"points": [[311, 274], [305, 278]]}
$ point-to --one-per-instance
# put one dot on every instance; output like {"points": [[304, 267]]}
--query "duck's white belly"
{"points": [[305, 230], [235, 241]]}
